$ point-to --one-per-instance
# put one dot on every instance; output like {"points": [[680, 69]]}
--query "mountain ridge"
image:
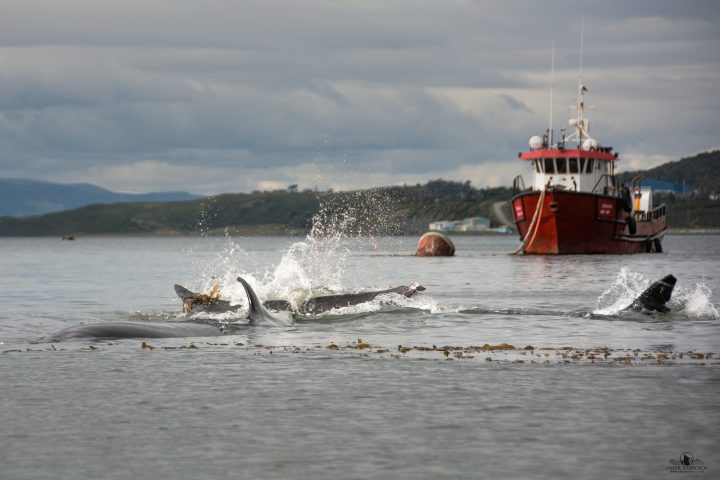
{"points": [[21, 197]]}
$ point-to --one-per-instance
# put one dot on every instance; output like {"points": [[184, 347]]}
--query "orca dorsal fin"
{"points": [[255, 308], [256, 311]]}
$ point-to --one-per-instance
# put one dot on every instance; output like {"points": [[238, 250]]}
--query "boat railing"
{"points": [[608, 185], [651, 215], [518, 185]]}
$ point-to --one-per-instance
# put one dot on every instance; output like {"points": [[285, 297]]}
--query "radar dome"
{"points": [[535, 142], [589, 143]]}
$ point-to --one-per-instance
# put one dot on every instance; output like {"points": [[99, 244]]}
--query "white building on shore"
{"points": [[472, 224]]}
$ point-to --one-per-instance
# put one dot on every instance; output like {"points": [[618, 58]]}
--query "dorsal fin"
{"points": [[183, 292], [256, 311], [255, 308]]}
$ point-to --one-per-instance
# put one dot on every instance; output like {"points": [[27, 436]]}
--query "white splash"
{"points": [[312, 267], [307, 268], [629, 285], [621, 294], [696, 302]]}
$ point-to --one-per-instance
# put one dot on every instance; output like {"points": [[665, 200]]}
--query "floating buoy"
{"points": [[435, 244]]}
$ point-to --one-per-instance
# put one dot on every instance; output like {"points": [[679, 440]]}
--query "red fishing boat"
{"points": [[576, 204]]}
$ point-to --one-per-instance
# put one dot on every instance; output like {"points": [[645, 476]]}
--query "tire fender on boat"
{"points": [[632, 225], [625, 200], [657, 245]]}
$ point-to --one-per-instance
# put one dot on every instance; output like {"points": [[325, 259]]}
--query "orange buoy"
{"points": [[435, 244]]}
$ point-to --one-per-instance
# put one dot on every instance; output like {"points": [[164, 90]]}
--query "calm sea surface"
{"points": [[585, 391]]}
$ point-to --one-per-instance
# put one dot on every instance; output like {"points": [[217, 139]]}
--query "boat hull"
{"points": [[572, 222]]}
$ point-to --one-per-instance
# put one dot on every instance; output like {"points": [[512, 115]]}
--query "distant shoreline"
{"points": [[693, 231], [301, 233]]}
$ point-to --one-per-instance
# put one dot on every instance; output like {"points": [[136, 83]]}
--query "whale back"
{"points": [[328, 302], [656, 295], [121, 330]]}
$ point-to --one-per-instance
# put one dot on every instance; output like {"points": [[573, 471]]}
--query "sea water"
{"points": [[401, 388]]}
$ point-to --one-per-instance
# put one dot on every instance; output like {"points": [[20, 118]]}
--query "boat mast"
{"points": [[581, 87], [552, 85], [580, 123]]}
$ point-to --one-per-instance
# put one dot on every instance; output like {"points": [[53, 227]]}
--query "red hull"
{"points": [[580, 222]]}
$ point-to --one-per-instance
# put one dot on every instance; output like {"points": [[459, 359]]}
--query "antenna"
{"points": [[580, 123], [581, 87], [552, 85], [582, 40]]}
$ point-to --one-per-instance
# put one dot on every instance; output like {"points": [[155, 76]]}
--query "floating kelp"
{"points": [[502, 346], [493, 353]]}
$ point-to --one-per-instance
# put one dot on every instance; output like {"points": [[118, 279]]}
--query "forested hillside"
{"points": [[397, 210], [379, 211], [701, 172]]}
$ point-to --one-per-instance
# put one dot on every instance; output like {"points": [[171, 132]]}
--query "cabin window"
{"points": [[549, 165], [582, 165], [573, 165], [537, 166], [561, 165], [589, 165]]}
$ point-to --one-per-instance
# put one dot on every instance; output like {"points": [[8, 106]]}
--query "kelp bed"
{"points": [[499, 353]]}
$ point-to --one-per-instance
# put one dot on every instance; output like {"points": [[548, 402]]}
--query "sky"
{"points": [[220, 96]]}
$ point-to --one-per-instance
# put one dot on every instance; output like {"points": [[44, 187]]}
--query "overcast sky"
{"points": [[231, 96]]}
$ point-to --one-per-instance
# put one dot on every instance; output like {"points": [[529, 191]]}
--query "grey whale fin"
{"points": [[195, 302]]}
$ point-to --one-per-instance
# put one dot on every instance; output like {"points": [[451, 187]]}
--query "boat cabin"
{"points": [[585, 167], [578, 169]]}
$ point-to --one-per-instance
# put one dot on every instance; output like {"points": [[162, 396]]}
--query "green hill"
{"points": [[701, 171], [396, 210], [691, 211], [380, 211], [696, 209]]}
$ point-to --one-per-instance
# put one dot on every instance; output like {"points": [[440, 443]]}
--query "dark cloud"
{"points": [[225, 96]]}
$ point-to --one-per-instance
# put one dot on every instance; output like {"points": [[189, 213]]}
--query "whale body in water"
{"points": [[274, 312], [277, 312], [119, 330], [197, 302], [655, 296], [257, 314]]}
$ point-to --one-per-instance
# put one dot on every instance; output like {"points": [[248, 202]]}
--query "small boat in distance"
{"points": [[576, 204]]}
